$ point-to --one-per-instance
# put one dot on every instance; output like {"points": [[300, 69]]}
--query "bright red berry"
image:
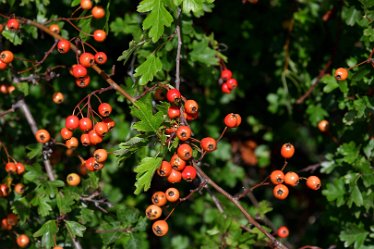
{"points": [[283, 232], [183, 132], [173, 95], [174, 112], [164, 169], [191, 106], [177, 162], [66, 133], [105, 109], [189, 173], [6, 56], [287, 150], [277, 176], [86, 59], [225, 88], [175, 176], [63, 46], [99, 35], [101, 58], [208, 144], [42, 136], [232, 120], [13, 24], [232, 83], [79, 71], [313, 182], [280, 191], [72, 122], [184, 151], [291, 178], [226, 74], [85, 124], [98, 12], [83, 82]]}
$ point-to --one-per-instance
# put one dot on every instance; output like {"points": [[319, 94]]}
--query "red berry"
{"points": [[225, 88], [153, 212], [105, 109], [72, 122], [313, 182], [10, 167], [20, 168], [42, 136], [341, 74], [63, 46], [86, 59], [101, 128], [85, 124], [164, 169], [226, 74], [99, 35], [232, 84], [54, 28], [94, 137], [189, 173], [177, 162], [183, 132], [86, 4], [174, 112], [98, 12], [173, 95], [159, 198], [172, 194], [100, 155], [175, 176], [232, 120], [58, 97], [160, 228], [191, 106], [23, 240], [184, 151], [291, 178], [3, 66], [283, 232], [208, 144], [109, 122], [66, 133], [13, 24], [6, 56], [280, 191], [287, 150], [79, 71], [85, 139], [323, 125], [83, 82], [72, 143], [101, 58], [92, 165], [277, 177]]}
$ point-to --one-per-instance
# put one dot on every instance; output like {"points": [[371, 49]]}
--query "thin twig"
{"points": [[179, 46]]}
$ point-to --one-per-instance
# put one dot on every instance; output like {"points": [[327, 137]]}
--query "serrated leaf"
{"points": [[148, 69], [355, 197], [64, 202], [75, 228], [12, 36], [48, 233], [201, 52], [349, 151], [85, 28], [42, 202], [331, 83], [33, 173], [144, 173], [316, 113], [335, 191], [353, 235], [34, 150], [126, 149], [23, 87], [157, 19], [192, 5], [148, 122]]}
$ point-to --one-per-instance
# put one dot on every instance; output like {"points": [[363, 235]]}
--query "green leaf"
{"points": [[34, 150], [148, 69], [24, 88], [195, 6], [354, 234], [331, 83], [130, 24], [351, 15], [75, 228], [126, 54], [355, 197], [85, 28], [64, 202], [126, 149], [201, 52], [316, 113], [157, 19], [42, 202], [48, 233], [34, 173], [12, 36], [349, 151], [144, 173], [335, 191], [148, 122]]}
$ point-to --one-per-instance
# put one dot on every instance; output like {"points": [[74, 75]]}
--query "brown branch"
{"points": [[273, 241], [178, 57]]}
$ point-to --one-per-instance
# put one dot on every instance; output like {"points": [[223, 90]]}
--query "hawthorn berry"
{"points": [[13, 24], [63, 46], [313, 182], [10, 167], [86, 59], [280, 191], [54, 28], [19, 188], [78, 71], [173, 95], [98, 12], [175, 176], [109, 122], [323, 125], [225, 88], [174, 112], [42, 136], [58, 97], [12, 219], [287, 150], [341, 74], [153, 212], [160, 94], [73, 179], [159, 198], [104, 109], [226, 74], [164, 169], [83, 82], [283, 232], [208, 144], [86, 4], [101, 128], [4, 190], [72, 143], [6, 56], [92, 165], [232, 83], [100, 155], [291, 178], [172, 194], [94, 137], [184, 151], [189, 173], [177, 162], [160, 228], [23, 240], [72, 122], [66, 133], [101, 58], [85, 139], [99, 35], [191, 106], [3, 66], [190, 116], [5, 225], [85, 124], [20, 168], [277, 176], [183, 132], [58, 247], [232, 120]]}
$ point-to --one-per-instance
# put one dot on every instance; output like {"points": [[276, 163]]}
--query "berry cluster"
{"points": [[227, 82], [281, 180]]}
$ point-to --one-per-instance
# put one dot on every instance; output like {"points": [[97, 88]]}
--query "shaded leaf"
{"points": [[48, 233], [75, 228], [148, 122], [145, 171], [148, 69]]}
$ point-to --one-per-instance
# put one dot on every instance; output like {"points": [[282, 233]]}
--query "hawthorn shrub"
{"points": [[186, 124]]}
